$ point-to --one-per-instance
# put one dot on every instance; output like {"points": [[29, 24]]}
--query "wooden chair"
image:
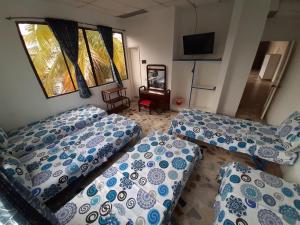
{"points": [[145, 104]]}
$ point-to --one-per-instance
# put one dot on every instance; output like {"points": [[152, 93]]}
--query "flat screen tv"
{"points": [[198, 43]]}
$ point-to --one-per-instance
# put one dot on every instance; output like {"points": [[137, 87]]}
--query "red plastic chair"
{"points": [[145, 104]]}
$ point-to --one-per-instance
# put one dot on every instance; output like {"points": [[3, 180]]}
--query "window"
{"points": [[54, 70]]}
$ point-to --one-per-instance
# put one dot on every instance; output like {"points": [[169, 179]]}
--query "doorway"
{"points": [[264, 79], [136, 80]]}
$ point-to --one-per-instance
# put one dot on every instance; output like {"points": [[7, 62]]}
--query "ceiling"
{"points": [[121, 7]]}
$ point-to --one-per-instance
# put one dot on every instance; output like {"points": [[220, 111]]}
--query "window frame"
{"points": [[68, 69]]}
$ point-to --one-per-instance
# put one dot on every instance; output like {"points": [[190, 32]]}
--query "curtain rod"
{"points": [[40, 18]]}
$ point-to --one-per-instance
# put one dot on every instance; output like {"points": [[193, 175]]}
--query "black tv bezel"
{"points": [[212, 38]]}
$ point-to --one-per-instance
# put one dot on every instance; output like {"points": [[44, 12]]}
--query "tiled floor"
{"points": [[254, 97], [195, 205]]}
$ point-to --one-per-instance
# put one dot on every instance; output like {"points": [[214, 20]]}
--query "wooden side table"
{"points": [[115, 99]]}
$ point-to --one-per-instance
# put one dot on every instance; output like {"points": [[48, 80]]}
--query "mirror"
{"points": [[156, 76]]}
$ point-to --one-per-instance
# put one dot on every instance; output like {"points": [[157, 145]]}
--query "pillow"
{"points": [[289, 132], [3, 139], [12, 167]]}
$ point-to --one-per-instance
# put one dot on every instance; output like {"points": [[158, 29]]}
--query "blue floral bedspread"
{"points": [[142, 187], [44, 132], [253, 197], [56, 166], [235, 135]]}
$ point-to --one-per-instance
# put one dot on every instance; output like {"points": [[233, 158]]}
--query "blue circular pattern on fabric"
{"points": [[232, 148], [251, 192], [235, 179], [297, 204], [269, 200], [123, 166], [72, 168], [46, 166], [52, 158], [48, 139], [221, 140], [287, 192], [154, 143], [250, 203], [91, 150], [111, 195], [95, 200], [189, 158], [90, 158], [35, 192], [163, 190], [185, 151], [111, 182], [143, 147], [167, 203], [63, 155], [242, 144], [163, 164], [126, 174], [153, 217], [179, 163], [169, 154], [190, 134], [150, 164], [40, 133], [221, 216], [118, 134], [67, 162], [91, 191], [80, 124], [228, 222]]}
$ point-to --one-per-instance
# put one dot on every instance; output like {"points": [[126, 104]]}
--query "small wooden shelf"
{"points": [[118, 102], [200, 59]]}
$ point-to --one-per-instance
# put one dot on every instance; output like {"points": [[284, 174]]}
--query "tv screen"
{"points": [[198, 43]]}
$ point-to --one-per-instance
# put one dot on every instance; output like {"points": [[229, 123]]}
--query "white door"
{"points": [[136, 70], [277, 79]]}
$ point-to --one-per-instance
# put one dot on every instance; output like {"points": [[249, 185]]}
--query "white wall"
{"points": [[153, 34], [22, 99], [286, 100], [241, 46], [213, 17]]}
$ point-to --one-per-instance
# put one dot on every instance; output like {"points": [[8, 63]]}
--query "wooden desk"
{"points": [[160, 99], [118, 102]]}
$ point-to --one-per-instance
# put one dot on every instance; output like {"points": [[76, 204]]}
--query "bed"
{"points": [[142, 187], [44, 132], [249, 196], [53, 168], [236, 135]]}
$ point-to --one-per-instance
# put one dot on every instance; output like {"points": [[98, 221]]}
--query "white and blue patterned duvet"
{"points": [[42, 133], [235, 135], [142, 187], [253, 197], [56, 166]]}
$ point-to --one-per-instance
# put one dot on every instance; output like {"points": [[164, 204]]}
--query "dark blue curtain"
{"points": [[107, 36], [66, 32]]}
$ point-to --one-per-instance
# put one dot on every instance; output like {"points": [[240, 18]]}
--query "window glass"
{"points": [[84, 63], [119, 55], [47, 58], [100, 57], [53, 68]]}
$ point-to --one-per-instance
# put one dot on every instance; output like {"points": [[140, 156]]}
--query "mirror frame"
{"points": [[158, 67]]}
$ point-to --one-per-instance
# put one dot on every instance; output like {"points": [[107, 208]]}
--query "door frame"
{"points": [[131, 68], [276, 83]]}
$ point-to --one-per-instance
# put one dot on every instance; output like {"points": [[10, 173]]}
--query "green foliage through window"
{"points": [[55, 71]]}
